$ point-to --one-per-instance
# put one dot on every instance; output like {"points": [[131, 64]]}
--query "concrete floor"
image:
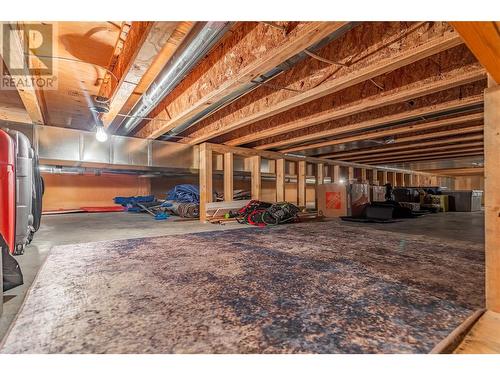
{"points": [[80, 228]]}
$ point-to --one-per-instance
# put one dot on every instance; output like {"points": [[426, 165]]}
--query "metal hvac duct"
{"points": [[197, 44]]}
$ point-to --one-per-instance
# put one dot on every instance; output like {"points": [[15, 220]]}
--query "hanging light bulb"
{"points": [[101, 134]]}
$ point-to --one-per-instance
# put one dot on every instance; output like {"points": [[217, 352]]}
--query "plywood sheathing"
{"points": [[214, 67], [363, 47], [457, 98], [455, 71], [360, 152], [238, 70], [420, 127]]}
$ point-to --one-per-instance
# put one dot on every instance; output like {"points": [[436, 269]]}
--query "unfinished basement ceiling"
{"points": [[310, 88]]}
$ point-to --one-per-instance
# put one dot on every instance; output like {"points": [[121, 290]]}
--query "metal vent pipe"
{"points": [[197, 44]]}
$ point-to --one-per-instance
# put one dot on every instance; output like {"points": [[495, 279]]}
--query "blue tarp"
{"points": [[184, 193]]}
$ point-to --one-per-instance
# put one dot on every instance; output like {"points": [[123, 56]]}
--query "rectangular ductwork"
{"points": [[77, 148]]}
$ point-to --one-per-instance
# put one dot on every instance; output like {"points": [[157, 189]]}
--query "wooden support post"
{"points": [[206, 195], [492, 196], [256, 183], [301, 183], [363, 175], [374, 180], [350, 174], [228, 176], [280, 180], [393, 179], [336, 174], [385, 178], [320, 173]]}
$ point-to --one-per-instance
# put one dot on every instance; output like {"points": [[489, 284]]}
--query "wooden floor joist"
{"points": [[389, 148], [237, 73], [418, 149], [458, 171], [438, 134], [430, 157], [398, 59], [396, 158], [298, 122], [384, 120], [390, 132]]}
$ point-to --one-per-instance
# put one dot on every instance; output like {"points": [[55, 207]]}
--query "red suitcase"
{"points": [[10, 271], [7, 190]]}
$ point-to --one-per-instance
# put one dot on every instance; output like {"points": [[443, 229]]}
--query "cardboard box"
{"points": [[332, 199]]}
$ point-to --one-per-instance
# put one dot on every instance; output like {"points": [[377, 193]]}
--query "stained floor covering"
{"points": [[303, 288]]}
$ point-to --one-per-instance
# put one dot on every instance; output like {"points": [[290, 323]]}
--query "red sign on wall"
{"points": [[333, 200]]}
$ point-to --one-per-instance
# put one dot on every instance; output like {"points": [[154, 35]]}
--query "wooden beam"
{"points": [[250, 152], [392, 178], [457, 171], [301, 183], [256, 177], [147, 48], [395, 60], [444, 133], [228, 176], [280, 180], [402, 94], [320, 173], [390, 132], [492, 195], [483, 39], [429, 157], [385, 177], [350, 174], [363, 175], [31, 96], [424, 153], [206, 180], [415, 151], [357, 107], [236, 68], [374, 179], [390, 148], [336, 173]]}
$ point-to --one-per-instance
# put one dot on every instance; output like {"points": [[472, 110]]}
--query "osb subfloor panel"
{"points": [[300, 288], [484, 337]]}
